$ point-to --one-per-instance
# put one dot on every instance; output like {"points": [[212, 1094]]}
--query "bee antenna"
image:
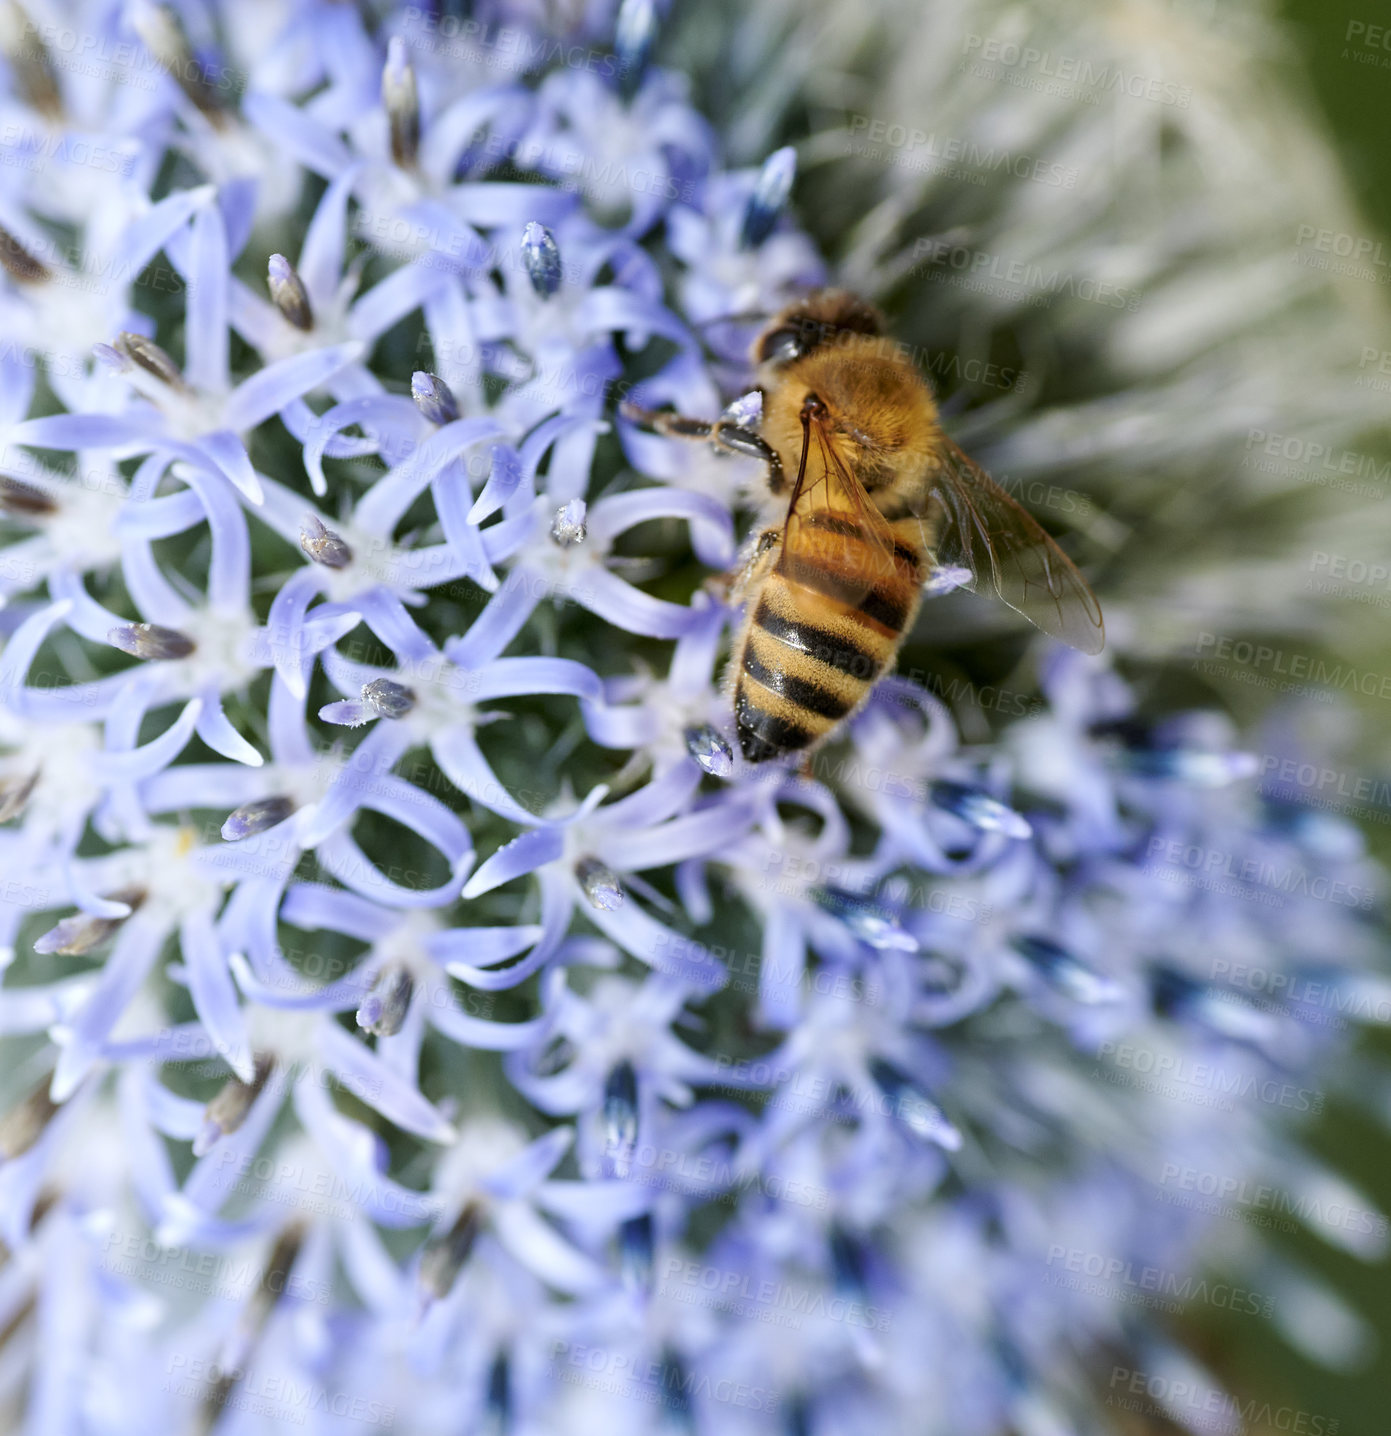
{"points": [[747, 317]]}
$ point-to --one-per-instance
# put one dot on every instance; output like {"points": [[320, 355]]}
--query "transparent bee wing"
{"points": [[979, 527]]}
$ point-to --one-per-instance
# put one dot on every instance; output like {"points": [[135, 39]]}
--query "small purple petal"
{"points": [[522, 855], [505, 475], [270, 389]]}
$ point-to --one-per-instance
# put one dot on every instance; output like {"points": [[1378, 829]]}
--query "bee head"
{"points": [[814, 323]]}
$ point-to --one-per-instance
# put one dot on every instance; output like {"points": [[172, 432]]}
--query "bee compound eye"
{"points": [[781, 346]]}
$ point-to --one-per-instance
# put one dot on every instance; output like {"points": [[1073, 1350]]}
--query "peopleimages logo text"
{"points": [[1246, 653]]}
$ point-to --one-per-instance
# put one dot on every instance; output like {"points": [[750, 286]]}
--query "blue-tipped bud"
{"points": [[1065, 973], [162, 31], [770, 193], [15, 793], [256, 817], [444, 1255], [23, 500], [871, 922], [26, 1121], [569, 528], [78, 935], [288, 291], [147, 355], [1173, 992], [388, 698], [434, 398], [634, 35], [227, 1111], [383, 1010], [1192, 766], [1224, 1014], [402, 102], [1174, 752], [636, 1245], [913, 1107], [601, 886], [35, 77], [621, 1117], [558, 1052], [1012, 1363], [1331, 838], [541, 255], [847, 1264], [709, 747], [322, 544], [940, 974], [150, 641], [16, 261], [976, 807], [676, 1388], [499, 1405]]}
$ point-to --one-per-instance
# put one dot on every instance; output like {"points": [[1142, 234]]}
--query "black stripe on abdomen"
{"points": [[834, 524], [764, 735], [810, 696], [875, 603], [833, 649], [910, 558]]}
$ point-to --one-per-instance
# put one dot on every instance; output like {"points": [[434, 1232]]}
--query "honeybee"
{"points": [[868, 500]]}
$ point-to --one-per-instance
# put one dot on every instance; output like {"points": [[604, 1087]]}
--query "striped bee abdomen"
{"points": [[822, 627]]}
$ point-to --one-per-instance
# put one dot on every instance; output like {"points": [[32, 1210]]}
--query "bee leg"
{"points": [[761, 557], [666, 422], [744, 441], [732, 438]]}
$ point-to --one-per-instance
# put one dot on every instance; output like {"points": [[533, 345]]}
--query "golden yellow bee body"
{"points": [[867, 497]]}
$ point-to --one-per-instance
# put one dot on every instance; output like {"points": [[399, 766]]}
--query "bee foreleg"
{"points": [[730, 437], [744, 441], [762, 556], [667, 422]]}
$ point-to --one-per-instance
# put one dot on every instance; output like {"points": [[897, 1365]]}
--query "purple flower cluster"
{"points": [[415, 1011]]}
